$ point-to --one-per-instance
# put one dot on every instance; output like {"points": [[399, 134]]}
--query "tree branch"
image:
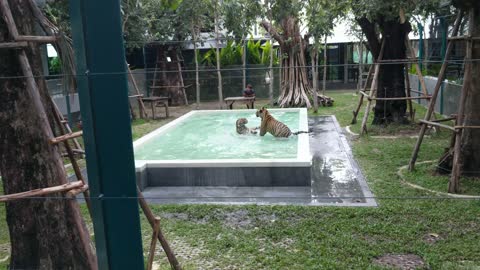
{"points": [[271, 30]]}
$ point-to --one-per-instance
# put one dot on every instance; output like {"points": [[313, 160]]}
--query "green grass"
{"points": [[425, 176], [295, 237]]}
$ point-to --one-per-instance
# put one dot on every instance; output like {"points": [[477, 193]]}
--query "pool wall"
{"points": [[227, 172]]}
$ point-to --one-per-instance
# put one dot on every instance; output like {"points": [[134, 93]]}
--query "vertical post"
{"points": [[103, 90], [217, 49], [270, 86], [360, 65], [420, 56], [246, 64], [444, 26], [324, 86], [345, 63]]}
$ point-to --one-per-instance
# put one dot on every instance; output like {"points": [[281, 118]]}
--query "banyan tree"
{"points": [[295, 88]]}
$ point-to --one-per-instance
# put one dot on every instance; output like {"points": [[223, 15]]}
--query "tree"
{"points": [[284, 27], [383, 17], [193, 17], [45, 233], [469, 141], [321, 15], [239, 17]]}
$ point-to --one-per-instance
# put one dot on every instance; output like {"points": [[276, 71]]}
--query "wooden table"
{"points": [[157, 102], [249, 101]]}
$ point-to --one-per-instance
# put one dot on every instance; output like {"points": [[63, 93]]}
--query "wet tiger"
{"points": [[242, 129], [273, 126]]}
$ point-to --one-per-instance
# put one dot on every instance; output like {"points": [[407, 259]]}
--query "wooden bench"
{"points": [[249, 101], [157, 102]]}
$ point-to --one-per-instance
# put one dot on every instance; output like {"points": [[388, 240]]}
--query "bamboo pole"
{"points": [[313, 55], [163, 241], [180, 74], [431, 106], [153, 243], [70, 152], [454, 183], [373, 90], [197, 82], [408, 94], [65, 137], [355, 113], [324, 83], [8, 18], [141, 106], [270, 86], [437, 124], [39, 39], [40, 191], [13, 45]]}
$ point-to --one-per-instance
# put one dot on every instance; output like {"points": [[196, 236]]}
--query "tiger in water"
{"points": [[273, 126], [242, 129]]}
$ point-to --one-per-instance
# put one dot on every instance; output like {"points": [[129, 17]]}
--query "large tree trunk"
{"points": [[295, 88], [470, 153], [170, 79], [44, 233], [391, 82]]}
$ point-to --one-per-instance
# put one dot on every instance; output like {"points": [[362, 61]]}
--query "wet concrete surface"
{"points": [[335, 178]]}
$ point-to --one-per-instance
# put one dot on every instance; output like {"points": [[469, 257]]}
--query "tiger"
{"points": [[242, 129], [273, 126]]}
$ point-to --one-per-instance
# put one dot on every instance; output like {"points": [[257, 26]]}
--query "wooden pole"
{"points": [[182, 83], [355, 113], [65, 137], [431, 106], [141, 106], [408, 94], [163, 241], [40, 191], [360, 64], [313, 55], [324, 86], [153, 243], [197, 82], [272, 76], [454, 183], [373, 90]]}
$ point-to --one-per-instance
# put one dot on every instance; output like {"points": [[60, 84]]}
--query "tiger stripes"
{"points": [[271, 125]]}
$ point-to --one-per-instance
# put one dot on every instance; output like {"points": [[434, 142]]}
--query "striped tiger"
{"points": [[273, 126]]}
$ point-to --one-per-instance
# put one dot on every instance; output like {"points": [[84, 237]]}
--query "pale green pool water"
{"points": [[212, 135]]}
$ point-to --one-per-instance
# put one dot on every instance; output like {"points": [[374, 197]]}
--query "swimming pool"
{"points": [[203, 148]]}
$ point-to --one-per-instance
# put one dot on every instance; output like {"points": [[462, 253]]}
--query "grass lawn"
{"points": [[444, 233]]}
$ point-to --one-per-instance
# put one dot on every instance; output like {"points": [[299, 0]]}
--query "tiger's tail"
{"points": [[300, 132]]}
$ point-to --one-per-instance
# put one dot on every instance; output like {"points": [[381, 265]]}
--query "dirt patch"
{"points": [[238, 219], [401, 261]]}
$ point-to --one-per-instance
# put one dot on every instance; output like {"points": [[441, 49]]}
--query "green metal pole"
{"points": [[103, 94]]}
